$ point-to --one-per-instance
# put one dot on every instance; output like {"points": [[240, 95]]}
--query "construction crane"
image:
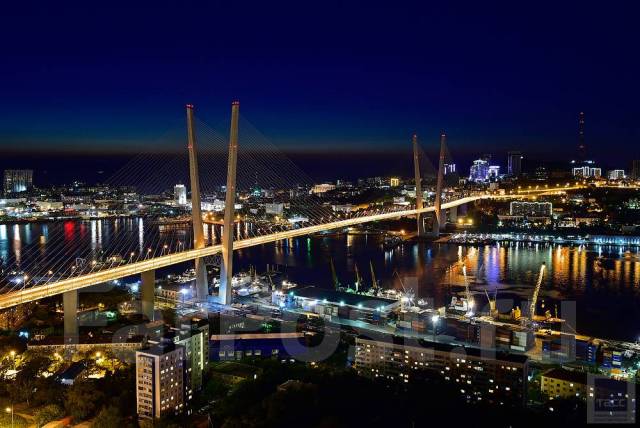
{"points": [[492, 303], [406, 301], [536, 291], [467, 292], [336, 283], [374, 283]]}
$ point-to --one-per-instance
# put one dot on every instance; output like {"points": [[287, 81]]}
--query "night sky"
{"points": [[101, 78]]}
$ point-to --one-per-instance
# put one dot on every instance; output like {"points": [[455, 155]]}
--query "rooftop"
{"points": [[337, 297], [447, 348], [566, 375]]}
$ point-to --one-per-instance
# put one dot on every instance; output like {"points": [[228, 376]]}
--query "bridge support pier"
{"points": [[226, 269], [147, 293], [453, 214], [202, 285], [70, 308]]}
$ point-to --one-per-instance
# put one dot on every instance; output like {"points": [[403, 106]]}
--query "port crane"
{"points": [[357, 284], [467, 292], [536, 291], [374, 283]]}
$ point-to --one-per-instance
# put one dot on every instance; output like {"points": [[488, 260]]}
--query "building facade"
{"points": [[514, 163], [635, 169], [495, 377], [479, 170], [160, 381], [180, 194], [17, 180], [530, 209], [561, 383]]}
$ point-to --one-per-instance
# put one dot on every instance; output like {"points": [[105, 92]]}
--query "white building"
{"points": [[587, 172], [180, 194], [322, 188], [494, 171], [616, 174], [160, 381], [274, 209], [531, 209], [344, 208]]}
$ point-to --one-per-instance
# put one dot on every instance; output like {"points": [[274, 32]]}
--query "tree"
{"points": [[82, 400], [49, 413], [109, 417], [22, 388]]}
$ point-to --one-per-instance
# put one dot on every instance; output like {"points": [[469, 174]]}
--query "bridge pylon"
{"points": [[418, 178], [202, 286], [439, 221], [226, 269]]}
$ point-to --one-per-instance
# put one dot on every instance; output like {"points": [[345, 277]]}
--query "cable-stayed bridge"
{"points": [[36, 273]]}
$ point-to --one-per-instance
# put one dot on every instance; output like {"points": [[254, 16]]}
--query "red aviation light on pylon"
{"points": [[190, 106]]}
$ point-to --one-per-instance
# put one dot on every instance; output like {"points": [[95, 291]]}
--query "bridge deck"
{"points": [[37, 292]]}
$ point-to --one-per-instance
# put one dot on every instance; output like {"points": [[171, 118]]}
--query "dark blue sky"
{"points": [[98, 76]]}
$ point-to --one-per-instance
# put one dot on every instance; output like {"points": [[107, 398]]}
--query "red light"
{"points": [[190, 106]]}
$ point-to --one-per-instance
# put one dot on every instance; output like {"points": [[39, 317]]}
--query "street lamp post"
{"points": [[434, 320], [10, 410]]}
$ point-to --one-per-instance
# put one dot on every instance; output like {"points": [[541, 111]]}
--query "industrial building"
{"points": [[228, 347], [482, 375], [332, 303]]}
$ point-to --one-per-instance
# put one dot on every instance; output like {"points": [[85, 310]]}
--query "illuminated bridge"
{"points": [[67, 281]]}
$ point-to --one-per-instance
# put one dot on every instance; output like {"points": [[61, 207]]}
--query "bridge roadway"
{"points": [[37, 292]]}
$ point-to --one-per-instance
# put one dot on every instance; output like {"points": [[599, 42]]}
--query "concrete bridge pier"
{"points": [[70, 308], [453, 214], [147, 293]]}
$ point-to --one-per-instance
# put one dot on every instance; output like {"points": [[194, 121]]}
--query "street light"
{"points": [[10, 410], [434, 320], [184, 292]]}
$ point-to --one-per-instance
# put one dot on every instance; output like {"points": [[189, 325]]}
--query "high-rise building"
{"points": [[193, 336], [17, 180], [582, 149], [180, 194], [635, 169], [587, 172], [160, 377], [449, 168], [514, 163], [616, 174], [494, 172], [479, 170]]}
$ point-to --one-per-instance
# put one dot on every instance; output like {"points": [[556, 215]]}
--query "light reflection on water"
{"points": [[604, 281]]}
